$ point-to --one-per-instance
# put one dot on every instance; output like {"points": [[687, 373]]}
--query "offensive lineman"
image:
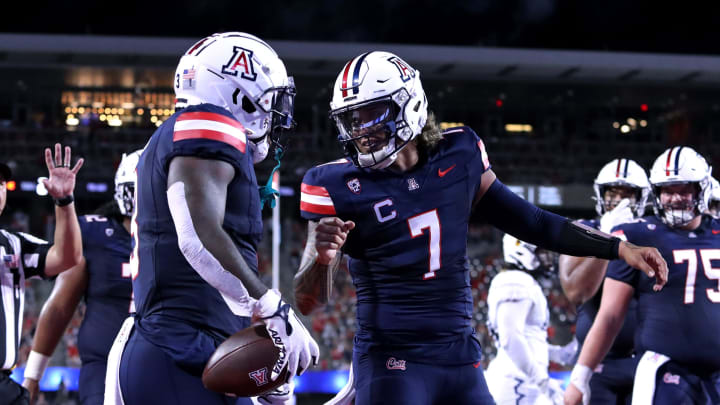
{"points": [[677, 327]]}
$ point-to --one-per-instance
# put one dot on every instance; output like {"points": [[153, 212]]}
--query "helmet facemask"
{"points": [[680, 212], [636, 195], [373, 132], [125, 198]]}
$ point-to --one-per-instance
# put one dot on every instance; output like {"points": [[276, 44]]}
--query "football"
{"points": [[242, 364]]}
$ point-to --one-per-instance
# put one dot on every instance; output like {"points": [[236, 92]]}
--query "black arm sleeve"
{"points": [[512, 214]]}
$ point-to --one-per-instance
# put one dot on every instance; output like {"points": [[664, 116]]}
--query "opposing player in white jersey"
{"points": [[518, 319]]}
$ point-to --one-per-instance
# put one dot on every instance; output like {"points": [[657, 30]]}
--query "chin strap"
{"points": [[267, 192]]}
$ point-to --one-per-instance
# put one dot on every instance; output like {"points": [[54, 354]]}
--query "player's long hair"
{"points": [[110, 210], [431, 134]]}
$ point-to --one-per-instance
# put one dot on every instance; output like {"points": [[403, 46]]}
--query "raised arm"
{"points": [[66, 250], [54, 318]]}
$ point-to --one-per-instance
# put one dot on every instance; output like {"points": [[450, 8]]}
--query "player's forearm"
{"points": [[311, 282], [580, 277], [54, 319], [599, 340], [67, 250]]}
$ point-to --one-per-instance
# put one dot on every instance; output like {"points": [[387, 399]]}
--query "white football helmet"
{"points": [[125, 179], [681, 165], [244, 75], [714, 201], [379, 103], [526, 256], [625, 173]]}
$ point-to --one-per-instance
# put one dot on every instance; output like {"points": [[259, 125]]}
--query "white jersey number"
{"points": [[428, 220], [712, 273]]}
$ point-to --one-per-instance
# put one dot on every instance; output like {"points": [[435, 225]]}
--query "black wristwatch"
{"points": [[61, 202]]}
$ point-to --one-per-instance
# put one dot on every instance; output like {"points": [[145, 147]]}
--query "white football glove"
{"points": [[552, 390], [621, 214], [564, 355], [297, 348], [282, 395], [580, 378]]}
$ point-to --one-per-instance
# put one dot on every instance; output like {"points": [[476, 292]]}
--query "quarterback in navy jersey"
{"points": [[103, 278], [621, 192], [196, 227], [399, 206], [677, 327]]}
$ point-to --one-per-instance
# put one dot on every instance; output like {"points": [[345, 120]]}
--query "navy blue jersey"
{"points": [[106, 247], [624, 342], [683, 319], [408, 250], [173, 302]]}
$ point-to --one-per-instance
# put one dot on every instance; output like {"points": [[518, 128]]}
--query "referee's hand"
{"points": [[61, 181], [31, 385]]}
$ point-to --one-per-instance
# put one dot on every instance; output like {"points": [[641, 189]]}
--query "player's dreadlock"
{"points": [[431, 134]]}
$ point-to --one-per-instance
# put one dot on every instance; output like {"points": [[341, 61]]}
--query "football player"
{"points": [[197, 224], [103, 278], [621, 193], [399, 206], [677, 329], [714, 203], [518, 319]]}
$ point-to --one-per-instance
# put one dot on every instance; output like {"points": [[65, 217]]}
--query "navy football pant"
{"points": [[91, 387], [675, 386], [382, 379], [12, 393], [612, 384], [148, 376]]}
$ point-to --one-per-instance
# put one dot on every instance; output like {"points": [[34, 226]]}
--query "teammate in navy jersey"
{"points": [[621, 192], [103, 278], [399, 207], [677, 328], [197, 224]]}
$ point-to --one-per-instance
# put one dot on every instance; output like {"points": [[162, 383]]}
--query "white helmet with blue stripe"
{"points": [[624, 173], [714, 201], [378, 106], [681, 165]]}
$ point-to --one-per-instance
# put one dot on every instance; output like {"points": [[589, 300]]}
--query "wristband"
{"points": [[580, 375], [64, 201], [36, 364]]}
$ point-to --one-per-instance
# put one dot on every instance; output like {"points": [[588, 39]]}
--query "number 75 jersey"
{"points": [[408, 250]]}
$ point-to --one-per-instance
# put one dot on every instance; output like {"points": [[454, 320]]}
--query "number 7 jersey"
{"points": [[408, 250]]}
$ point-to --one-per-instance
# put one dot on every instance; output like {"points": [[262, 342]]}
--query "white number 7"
{"points": [[428, 220]]}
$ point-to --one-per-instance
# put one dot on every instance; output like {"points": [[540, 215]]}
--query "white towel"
{"points": [[645, 376], [113, 395]]}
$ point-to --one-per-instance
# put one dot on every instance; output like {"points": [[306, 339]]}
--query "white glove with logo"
{"points": [[621, 214], [297, 348], [282, 395]]}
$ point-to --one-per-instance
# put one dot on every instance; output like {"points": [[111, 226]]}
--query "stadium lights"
{"points": [[624, 129], [518, 128], [11, 185], [72, 120]]}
